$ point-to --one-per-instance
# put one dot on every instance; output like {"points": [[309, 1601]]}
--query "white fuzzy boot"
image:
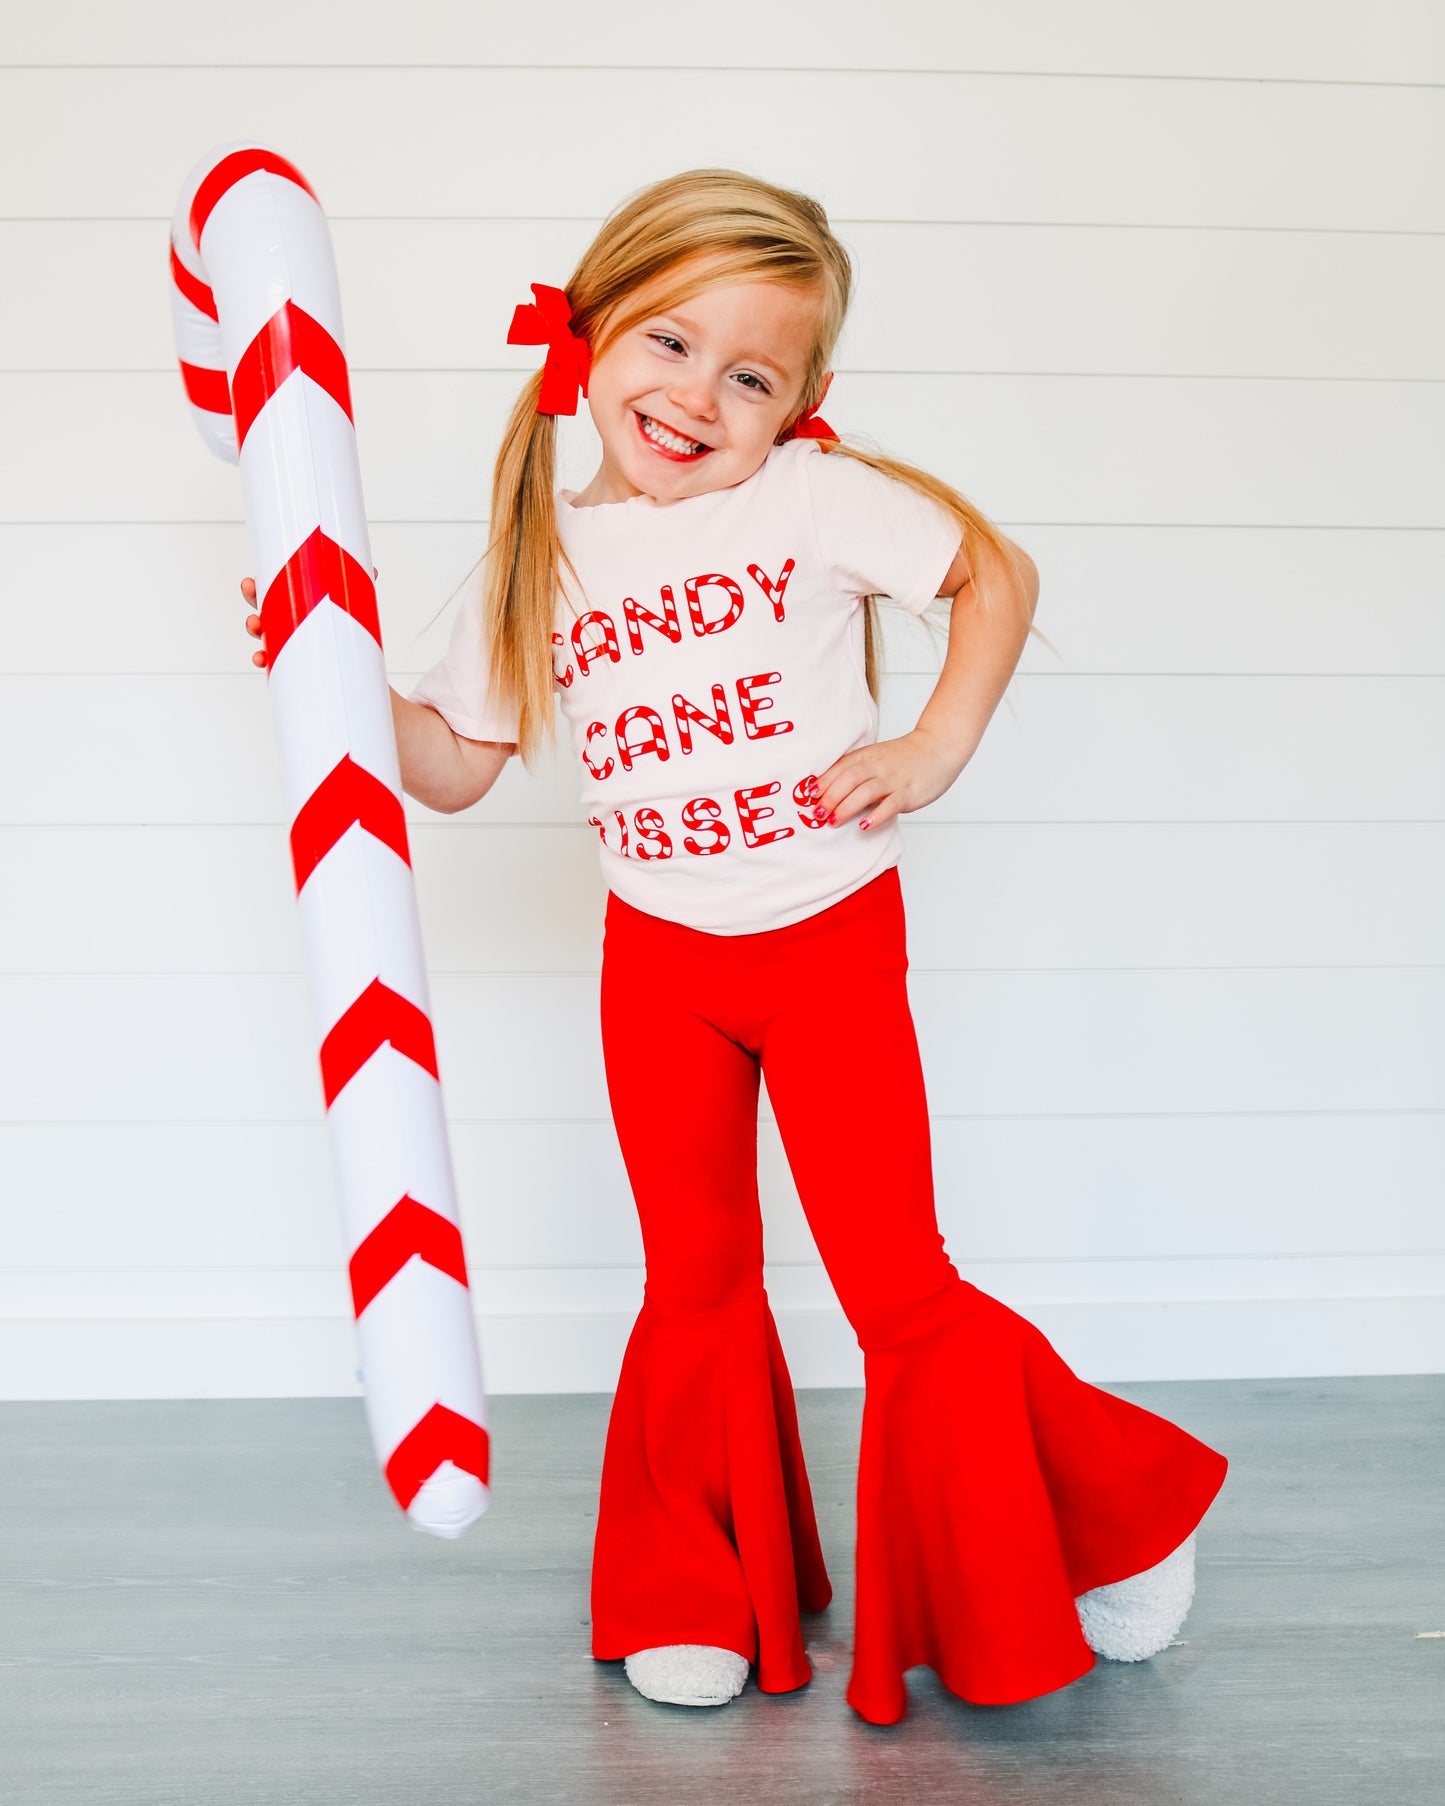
{"points": [[687, 1674], [1137, 1617]]}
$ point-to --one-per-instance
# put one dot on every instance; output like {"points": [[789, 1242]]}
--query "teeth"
{"points": [[672, 441]]}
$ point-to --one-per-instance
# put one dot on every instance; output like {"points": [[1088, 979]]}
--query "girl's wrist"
{"points": [[945, 750]]}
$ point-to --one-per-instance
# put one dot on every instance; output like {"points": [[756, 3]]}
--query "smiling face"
{"points": [[692, 399]]}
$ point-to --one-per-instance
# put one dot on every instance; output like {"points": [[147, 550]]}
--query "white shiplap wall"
{"points": [[1160, 287]]}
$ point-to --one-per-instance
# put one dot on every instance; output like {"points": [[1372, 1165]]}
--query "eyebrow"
{"points": [[747, 357]]}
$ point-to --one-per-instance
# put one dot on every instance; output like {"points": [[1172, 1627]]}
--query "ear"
{"points": [[827, 384]]}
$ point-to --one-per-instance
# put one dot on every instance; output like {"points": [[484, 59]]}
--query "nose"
{"points": [[693, 394]]}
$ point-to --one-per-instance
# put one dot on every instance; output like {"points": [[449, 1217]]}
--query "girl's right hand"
{"points": [[253, 622]]}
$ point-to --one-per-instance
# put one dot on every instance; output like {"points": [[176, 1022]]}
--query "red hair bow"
{"points": [[569, 358], [811, 425]]}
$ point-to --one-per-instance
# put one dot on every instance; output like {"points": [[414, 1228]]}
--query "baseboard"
{"points": [[311, 1357]]}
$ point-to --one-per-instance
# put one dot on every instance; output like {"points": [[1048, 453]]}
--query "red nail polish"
{"points": [[862, 824], [832, 821]]}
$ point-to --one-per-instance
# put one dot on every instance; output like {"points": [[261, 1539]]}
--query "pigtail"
{"points": [[524, 554]]}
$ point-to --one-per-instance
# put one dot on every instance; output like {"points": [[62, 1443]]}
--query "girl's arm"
{"points": [[439, 766], [893, 777]]}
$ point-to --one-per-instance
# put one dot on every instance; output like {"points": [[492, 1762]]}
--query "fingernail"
{"points": [[862, 824], [832, 821]]}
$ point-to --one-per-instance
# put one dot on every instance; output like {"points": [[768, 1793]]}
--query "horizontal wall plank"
{"points": [[1320, 40], [315, 1357], [82, 1294], [1194, 748], [1208, 599], [1174, 301], [979, 895], [1136, 450], [230, 1049], [1161, 894], [201, 749], [153, 599], [256, 1197], [985, 146]]}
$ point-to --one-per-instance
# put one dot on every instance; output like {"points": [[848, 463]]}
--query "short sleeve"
{"points": [[456, 685], [878, 536]]}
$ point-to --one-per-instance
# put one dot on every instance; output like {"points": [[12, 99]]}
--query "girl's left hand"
{"points": [[889, 778]]}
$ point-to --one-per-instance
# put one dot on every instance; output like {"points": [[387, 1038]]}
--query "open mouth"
{"points": [[668, 444]]}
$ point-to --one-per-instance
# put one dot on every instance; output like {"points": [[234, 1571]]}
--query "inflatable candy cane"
{"points": [[258, 331]]}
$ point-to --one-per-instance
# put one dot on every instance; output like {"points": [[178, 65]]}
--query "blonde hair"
{"points": [[664, 244]]}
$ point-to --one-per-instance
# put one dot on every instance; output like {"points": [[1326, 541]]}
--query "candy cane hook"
{"points": [[257, 316]]}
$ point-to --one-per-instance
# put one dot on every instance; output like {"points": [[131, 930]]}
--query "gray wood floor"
{"points": [[217, 1602]]}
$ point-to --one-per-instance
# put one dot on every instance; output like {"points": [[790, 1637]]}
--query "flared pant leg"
{"points": [[994, 1486], [705, 1527]]}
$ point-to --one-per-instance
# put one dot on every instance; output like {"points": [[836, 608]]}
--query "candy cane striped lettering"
{"points": [[595, 730], [700, 622], [622, 848], [750, 813], [773, 591], [720, 725], [702, 814], [752, 706], [655, 740], [565, 676], [653, 840], [810, 813], [594, 635], [667, 623]]}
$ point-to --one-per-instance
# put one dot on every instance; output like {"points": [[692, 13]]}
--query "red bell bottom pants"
{"points": [[994, 1485]]}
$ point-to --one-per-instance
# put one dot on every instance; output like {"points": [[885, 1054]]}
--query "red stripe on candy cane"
{"points": [[407, 1230], [194, 290], [206, 388], [441, 1435], [289, 341], [346, 797], [233, 169], [319, 570], [378, 1016]]}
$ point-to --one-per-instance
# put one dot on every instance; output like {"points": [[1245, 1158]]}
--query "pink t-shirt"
{"points": [[712, 665]]}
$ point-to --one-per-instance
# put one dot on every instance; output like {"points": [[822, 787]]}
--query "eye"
{"points": [[664, 338], [746, 376]]}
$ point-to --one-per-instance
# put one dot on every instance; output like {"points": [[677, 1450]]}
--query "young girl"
{"points": [[702, 609]]}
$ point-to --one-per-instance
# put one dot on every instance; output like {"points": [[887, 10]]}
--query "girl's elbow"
{"points": [[484, 762]]}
